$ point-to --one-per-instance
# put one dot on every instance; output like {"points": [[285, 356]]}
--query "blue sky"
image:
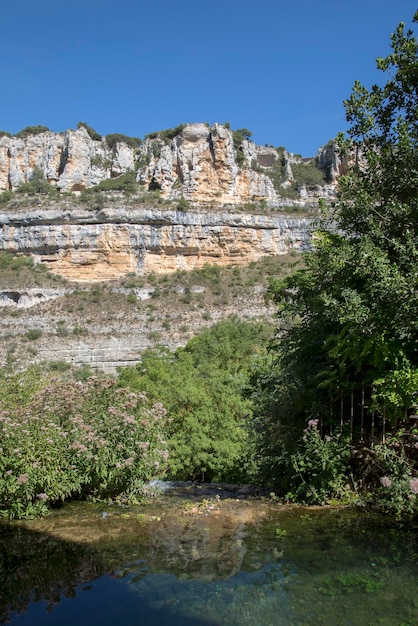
{"points": [[280, 68]]}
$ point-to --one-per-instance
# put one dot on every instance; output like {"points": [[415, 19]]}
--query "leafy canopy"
{"points": [[201, 387], [348, 320]]}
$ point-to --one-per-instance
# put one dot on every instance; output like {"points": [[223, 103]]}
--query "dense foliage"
{"points": [[166, 135], [328, 411], [114, 138], [125, 183], [347, 350], [64, 439], [201, 387], [31, 130]]}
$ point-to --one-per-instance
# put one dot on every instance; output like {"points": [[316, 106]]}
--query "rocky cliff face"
{"points": [[200, 163], [87, 245]]}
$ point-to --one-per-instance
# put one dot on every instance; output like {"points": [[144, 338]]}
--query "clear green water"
{"points": [[229, 563]]}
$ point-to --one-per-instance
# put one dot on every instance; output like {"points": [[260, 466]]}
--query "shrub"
{"points": [[239, 135], [308, 174], [101, 161], [394, 462], [4, 133], [240, 157], [278, 173], [116, 138], [31, 130], [291, 191], [59, 366], [319, 466], [183, 204], [93, 198], [37, 184], [33, 334], [92, 133], [90, 438], [126, 183], [6, 196], [9, 260], [166, 135], [200, 385]]}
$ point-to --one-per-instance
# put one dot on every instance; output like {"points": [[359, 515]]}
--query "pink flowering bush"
{"points": [[398, 492], [90, 439]]}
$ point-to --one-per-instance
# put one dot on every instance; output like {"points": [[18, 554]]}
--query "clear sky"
{"points": [[280, 68]]}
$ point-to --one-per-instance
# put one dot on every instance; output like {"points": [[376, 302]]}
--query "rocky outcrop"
{"points": [[200, 163], [85, 245]]}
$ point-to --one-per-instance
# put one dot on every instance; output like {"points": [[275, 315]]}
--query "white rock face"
{"points": [[20, 157], [199, 163], [27, 298]]}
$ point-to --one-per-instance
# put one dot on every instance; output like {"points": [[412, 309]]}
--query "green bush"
{"points": [[92, 133], [116, 138], [278, 173], [291, 191], [183, 204], [308, 174], [238, 137], [125, 182], [398, 491], [58, 366], [31, 130], [33, 334], [5, 197], [9, 260], [240, 158], [37, 185], [166, 135], [4, 133], [90, 438], [320, 466]]}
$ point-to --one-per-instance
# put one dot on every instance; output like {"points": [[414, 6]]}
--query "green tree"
{"points": [[201, 387], [347, 320]]}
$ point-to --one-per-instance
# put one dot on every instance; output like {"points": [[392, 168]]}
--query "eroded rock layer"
{"points": [[83, 245]]}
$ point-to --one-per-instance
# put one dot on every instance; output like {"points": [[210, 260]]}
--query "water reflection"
{"points": [[209, 562]]}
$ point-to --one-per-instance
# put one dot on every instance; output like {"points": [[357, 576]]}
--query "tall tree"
{"points": [[349, 318]]}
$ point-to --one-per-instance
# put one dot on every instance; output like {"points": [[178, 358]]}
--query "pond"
{"points": [[192, 558]]}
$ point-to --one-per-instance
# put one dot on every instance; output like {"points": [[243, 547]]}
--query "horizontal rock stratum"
{"points": [[87, 245]]}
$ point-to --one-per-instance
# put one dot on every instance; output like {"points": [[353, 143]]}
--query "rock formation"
{"points": [[87, 245], [200, 163]]}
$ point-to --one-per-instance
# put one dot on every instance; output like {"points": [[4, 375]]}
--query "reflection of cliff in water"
{"points": [[47, 559], [35, 566], [197, 558]]}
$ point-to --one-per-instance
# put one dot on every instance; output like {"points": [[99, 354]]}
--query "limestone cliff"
{"points": [[87, 245], [200, 163]]}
